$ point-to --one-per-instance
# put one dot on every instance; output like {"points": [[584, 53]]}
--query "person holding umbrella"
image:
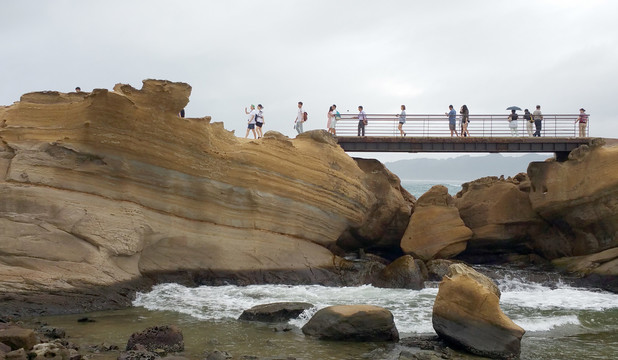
{"points": [[513, 120]]}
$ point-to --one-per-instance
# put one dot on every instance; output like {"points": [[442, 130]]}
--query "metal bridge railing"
{"points": [[554, 125]]}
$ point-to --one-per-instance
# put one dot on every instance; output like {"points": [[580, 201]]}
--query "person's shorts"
{"points": [[259, 124], [402, 122], [451, 126], [251, 126]]}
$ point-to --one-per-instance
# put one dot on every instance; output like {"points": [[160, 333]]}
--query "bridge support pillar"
{"points": [[562, 156]]}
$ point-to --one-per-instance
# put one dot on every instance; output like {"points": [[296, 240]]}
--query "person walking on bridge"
{"points": [[538, 118], [513, 123], [362, 121], [583, 122], [402, 120], [452, 120], [528, 120]]}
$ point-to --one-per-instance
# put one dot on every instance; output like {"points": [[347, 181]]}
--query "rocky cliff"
{"points": [[112, 187]]}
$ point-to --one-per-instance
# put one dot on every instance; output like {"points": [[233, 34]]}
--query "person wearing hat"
{"points": [[583, 122], [251, 122], [259, 120]]}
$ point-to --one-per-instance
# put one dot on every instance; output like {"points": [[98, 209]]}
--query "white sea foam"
{"points": [[532, 306], [532, 324]]}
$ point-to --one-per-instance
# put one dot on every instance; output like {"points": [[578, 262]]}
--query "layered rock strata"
{"points": [[111, 187]]}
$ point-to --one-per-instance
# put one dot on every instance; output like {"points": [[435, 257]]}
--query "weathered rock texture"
{"points": [[403, 273], [499, 213], [579, 197], [436, 230], [111, 187], [166, 338], [467, 313], [352, 323]]}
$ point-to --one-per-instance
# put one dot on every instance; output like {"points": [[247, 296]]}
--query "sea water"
{"points": [[562, 321], [419, 187]]}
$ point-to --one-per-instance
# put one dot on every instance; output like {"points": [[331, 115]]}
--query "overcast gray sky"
{"points": [[562, 54]]}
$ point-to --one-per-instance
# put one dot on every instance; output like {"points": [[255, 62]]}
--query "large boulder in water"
{"points": [[436, 230], [352, 323], [467, 314]]}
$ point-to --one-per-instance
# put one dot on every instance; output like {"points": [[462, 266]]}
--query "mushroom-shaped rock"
{"points": [[275, 312], [167, 338], [436, 230], [352, 323], [467, 314], [403, 273]]}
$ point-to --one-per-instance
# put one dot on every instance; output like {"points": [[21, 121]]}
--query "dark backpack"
{"points": [[514, 116], [305, 116]]}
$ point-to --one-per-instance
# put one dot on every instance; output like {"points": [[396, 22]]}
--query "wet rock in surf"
{"points": [[167, 338], [467, 314], [352, 323], [275, 312], [403, 273]]}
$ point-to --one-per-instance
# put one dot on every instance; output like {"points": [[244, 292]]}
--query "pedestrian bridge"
{"points": [[488, 133]]}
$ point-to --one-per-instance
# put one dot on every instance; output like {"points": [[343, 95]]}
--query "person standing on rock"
{"points": [[332, 120], [583, 122], [538, 118], [362, 121], [452, 120], [251, 122], [300, 118], [259, 121]]}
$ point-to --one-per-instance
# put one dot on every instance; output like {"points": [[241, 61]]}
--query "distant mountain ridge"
{"points": [[463, 168]]}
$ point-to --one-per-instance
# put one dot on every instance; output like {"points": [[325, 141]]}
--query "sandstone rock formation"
{"points": [[600, 268], [110, 188], [352, 323], [403, 273], [436, 230], [500, 215], [579, 197], [467, 314]]}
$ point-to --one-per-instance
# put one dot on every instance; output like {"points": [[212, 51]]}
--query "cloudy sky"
{"points": [[562, 54]]}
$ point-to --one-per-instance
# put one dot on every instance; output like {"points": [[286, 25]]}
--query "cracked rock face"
{"points": [[109, 187]]}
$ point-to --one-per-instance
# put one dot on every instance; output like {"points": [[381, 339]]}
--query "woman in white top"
{"points": [[402, 120], [331, 120]]}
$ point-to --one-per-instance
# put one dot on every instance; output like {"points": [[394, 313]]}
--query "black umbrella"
{"points": [[513, 108]]}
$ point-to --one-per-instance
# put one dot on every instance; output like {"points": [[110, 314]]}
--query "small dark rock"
{"points": [[85, 320], [51, 332], [275, 312], [166, 338], [138, 355]]}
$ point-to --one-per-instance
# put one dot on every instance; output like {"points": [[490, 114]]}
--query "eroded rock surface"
{"points": [[467, 313], [435, 230], [112, 188]]}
